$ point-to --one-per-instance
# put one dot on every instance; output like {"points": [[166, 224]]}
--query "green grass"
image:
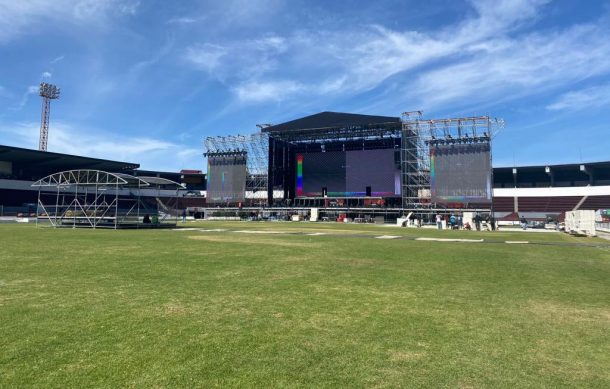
{"points": [[82, 308]]}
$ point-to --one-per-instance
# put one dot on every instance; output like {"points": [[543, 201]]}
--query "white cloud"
{"points": [[31, 90], [57, 59], [593, 97], [356, 60], [267, 91], [237, 61], [150, 153], [19, 17], [46, 75], [185, 20], [510, 68], [206, 56], [163, 51]]}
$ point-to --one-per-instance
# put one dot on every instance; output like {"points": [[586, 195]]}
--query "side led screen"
{"points": [[226, 179], [460, 173]]}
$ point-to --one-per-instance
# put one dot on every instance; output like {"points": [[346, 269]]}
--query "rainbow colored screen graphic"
{"points": [[299, 174]]}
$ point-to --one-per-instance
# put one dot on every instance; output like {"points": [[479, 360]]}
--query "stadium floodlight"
{"points": [[48, 92]]}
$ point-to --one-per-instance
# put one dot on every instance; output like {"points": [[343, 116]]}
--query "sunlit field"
{"points": [[249, 304]]}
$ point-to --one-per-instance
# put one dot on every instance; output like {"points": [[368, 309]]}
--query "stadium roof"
{"points": [[331, 120], [36, 163]]}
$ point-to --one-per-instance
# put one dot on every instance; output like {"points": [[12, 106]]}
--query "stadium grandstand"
{"points": [[20, 168], [539, 192]]}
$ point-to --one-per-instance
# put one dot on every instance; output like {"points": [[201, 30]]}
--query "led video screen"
{"points": [[348, 174], [460, 173], [226, 179]]}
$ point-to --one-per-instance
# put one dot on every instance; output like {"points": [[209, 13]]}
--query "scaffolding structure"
{"points": [[99, 199], [256, 147], [270, 153], [417, 136]]}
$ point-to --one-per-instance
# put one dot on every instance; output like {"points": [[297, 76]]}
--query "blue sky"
{"points": [[146, 81]]}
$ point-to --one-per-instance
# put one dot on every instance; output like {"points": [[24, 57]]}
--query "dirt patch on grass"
{"points": [[251, 240], [561, 313], [175, 309], [401, 356]]}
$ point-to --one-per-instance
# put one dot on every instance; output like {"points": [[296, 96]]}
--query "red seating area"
{"points": [[551, 204], [504, 204], [548, 204], [596, 202]]}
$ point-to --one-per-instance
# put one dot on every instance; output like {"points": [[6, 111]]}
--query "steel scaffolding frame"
{"points": [[415, 133], [99, 199], [418, 133], [256, 147]]}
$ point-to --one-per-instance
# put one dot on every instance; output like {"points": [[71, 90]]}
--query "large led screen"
{"points": [[460, 173], [348, 174], [226, 179]]}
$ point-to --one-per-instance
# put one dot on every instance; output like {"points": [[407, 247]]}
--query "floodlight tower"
{"points": [[48, 92]]}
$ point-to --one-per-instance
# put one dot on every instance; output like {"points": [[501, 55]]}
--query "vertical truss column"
{"points": [[415, 160]]}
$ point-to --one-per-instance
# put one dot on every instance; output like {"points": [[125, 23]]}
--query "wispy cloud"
{"points": [[267, 91], [65, 138], [237, 61], [31, 90], [19, 17], [57, 59], [162, 52], [485, 58], [518, 67], [593, 97], [206, 56], [185, 20], [356, 60]]}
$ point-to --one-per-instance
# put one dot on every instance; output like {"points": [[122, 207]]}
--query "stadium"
{"points": [[262, 194], [202, 286], [356, 167]]}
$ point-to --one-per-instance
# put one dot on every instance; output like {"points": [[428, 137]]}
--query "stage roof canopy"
{"points": [[88, 177], [331, 120]]}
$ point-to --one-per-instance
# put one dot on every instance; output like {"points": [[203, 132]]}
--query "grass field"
{"points": [[83, 308]]}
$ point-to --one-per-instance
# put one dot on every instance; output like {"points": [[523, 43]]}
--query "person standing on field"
{"points": [[523, 223]]}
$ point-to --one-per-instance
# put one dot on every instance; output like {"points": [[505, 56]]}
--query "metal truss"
{"points": [[364, 132], [256, 147], [418, 134], [99, 199]]}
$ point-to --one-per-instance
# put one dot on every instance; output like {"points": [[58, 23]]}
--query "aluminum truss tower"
{"points": [[256, 147], [417, 133]]}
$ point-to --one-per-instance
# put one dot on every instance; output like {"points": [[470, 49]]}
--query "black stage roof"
{"points": [[36, 164], [331, 120]]}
